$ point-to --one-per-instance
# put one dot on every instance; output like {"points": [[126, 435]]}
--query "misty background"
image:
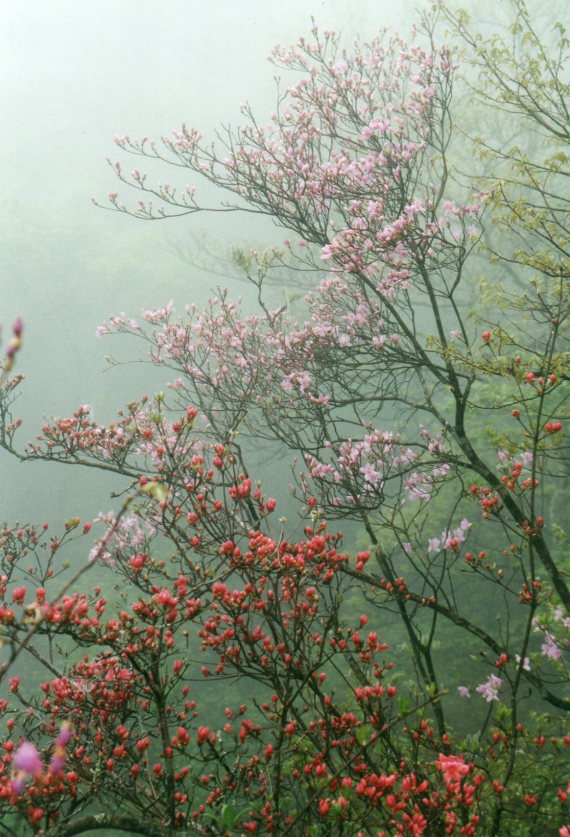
{"points": [[74, 75]]}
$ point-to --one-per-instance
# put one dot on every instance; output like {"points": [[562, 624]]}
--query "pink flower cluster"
{"points": [[27, 760]]}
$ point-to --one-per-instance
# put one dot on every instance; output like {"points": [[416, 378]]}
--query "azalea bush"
{"points": [[120, 728], [220, 662]]}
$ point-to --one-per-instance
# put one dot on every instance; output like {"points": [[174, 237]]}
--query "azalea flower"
{"points": [[526, 662], [490, 689], [452, 767], [550, 648]]}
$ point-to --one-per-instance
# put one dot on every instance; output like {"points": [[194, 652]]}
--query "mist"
{"points": [[75, 75]]}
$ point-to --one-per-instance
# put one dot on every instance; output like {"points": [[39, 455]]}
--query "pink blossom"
{"points": [[159, 314], [550, 648], [490, 689], [28, 759], [63, 736], [57, 763], [370, 474], [560, 617]]}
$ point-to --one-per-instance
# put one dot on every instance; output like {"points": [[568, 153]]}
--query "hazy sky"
{"points": [[74, 74]]}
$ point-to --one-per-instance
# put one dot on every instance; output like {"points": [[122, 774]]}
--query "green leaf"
{"points": [[363, 734], [229, 816], [403, 704], [156, 490]]}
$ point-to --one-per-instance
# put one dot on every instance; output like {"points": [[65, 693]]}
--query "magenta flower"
{"points": [[63, 737], [18, 784], [28, 759], [57, 764]]}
